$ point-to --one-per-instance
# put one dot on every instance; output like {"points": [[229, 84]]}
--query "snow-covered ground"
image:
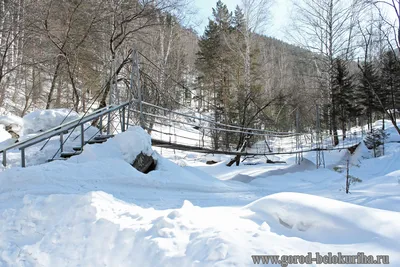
{"points": [[95, 209]]}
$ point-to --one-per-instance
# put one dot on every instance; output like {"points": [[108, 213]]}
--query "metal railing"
{"points": [[194, 133], [66, 127], [186, 131]]}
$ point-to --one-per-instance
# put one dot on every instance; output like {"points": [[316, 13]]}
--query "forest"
{"points": [[343, 60]]}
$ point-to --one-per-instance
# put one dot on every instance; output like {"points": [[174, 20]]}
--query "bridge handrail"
{"points": [[283, 134], [212, 128]]}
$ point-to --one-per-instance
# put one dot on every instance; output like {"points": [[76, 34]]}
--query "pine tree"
{"points": [[390, 76], [214, 61], [238, 19], [369, 87], [344, 95], [375, 139]]}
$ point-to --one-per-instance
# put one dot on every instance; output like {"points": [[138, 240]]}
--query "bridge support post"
{"points": [[135, 84], [101, 125], [23, 157], [123, 120], [108, 123], [4, 158], [82, 136], [61, 142], [140, 95]]}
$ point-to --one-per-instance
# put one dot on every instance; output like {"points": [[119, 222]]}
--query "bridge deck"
{"points": [[166, 144]]}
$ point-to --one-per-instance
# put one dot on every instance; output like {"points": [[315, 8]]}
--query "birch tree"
{"points": [[327, 28]]}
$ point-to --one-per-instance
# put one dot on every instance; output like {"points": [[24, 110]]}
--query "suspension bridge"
{"points": [[179, 129]]}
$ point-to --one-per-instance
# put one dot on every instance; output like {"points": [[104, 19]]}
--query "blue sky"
{"points": [[279, 15]]}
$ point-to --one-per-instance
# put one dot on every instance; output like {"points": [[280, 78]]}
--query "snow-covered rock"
{"points": [[126, 146], [4, 135], [13, 123]]}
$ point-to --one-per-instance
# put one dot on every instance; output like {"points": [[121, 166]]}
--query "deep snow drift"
{"points": [[97, 210]]}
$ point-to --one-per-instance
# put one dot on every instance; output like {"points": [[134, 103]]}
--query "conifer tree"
{"points": [[390, 76], [369, 86], [215, 64], [344, 95]]}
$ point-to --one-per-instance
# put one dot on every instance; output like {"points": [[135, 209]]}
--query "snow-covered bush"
{"points": [[375, 139]]}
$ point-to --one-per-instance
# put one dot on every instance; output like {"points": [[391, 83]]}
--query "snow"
{"points": [[95, 209], [324, 220], [42, 120], [14, 122], [126, 146], [4, 135], [35, 123]]}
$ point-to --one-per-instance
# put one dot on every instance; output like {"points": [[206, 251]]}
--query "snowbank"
{"points": [[95, 209], [324, 220], [96, 229], [42, 120]]}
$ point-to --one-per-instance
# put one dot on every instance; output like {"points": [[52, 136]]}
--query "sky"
{"points": [[280, 13]]}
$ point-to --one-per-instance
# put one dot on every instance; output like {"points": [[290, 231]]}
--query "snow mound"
{"points": [[305, 165], [126, 145], [59, 230], [242, 178], [361, 152], [42, 120], [97, 229], [320, 219]]}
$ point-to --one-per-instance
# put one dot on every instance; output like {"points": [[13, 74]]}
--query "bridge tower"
{"points": [[136, 87]]}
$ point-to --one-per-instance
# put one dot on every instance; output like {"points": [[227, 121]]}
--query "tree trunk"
{"points": [[74, 89], [343, 128], [53, 84], [59, 93]]}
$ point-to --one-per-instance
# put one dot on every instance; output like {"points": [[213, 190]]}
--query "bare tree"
{"points": [[126, 19], [393, 24], [256, 16], [327, 27], [11, 39], [389, 32]]}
